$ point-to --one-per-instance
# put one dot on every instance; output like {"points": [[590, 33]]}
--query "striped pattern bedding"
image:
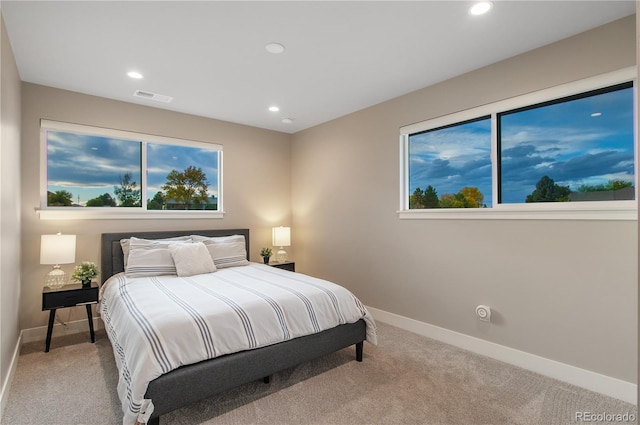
{"points": [[159, 323]]}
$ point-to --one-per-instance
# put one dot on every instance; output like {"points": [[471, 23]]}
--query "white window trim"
{"points": [[617, 210], [65, 213]]}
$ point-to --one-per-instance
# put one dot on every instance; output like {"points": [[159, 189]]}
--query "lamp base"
{"points": [[281, 255], [56, 278]]}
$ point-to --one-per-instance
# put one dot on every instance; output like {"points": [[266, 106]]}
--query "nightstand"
{"points": [[285, 265], [68, 296]]}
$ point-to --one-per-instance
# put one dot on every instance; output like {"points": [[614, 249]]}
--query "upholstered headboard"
{"points": [[112, 260]]}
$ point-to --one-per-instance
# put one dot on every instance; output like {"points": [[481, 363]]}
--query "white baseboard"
{"points": [[6, 385], [583, 378]]}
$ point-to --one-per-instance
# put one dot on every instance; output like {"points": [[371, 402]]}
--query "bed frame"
{"points": [[191, 383]]}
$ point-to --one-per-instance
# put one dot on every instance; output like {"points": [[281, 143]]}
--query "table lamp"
{"points": [[281, 238], [57, 249]]}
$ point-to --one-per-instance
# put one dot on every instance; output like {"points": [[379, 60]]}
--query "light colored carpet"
{"points": [[407, 379]]}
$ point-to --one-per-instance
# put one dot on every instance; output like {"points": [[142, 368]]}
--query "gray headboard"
{"points": [[112, 261]]}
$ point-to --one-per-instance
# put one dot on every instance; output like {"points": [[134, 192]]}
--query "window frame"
{"points": [[591, 210], [46, 212]]}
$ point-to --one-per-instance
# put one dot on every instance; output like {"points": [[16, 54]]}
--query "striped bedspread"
{"points": [[157, 324]]}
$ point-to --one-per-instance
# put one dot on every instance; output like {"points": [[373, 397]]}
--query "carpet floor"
{"points": [[406, 379]]}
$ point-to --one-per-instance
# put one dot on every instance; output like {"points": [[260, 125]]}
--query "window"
{"points": [[562, 152], [575, 149], [91, 172]]}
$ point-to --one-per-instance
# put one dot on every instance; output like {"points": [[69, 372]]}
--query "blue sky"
{"points": [[585, 141], [162, 158], [452, 158], [89, 166]]}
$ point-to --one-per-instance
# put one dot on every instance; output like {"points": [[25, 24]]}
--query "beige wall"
{"points": [[9, 207], [257, 191], [563, 290]]}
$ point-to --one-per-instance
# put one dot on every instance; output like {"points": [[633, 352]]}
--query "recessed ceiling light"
{"points": [[287, 120], [275, 48], [480, 8], [274, 108], [134, 74]]}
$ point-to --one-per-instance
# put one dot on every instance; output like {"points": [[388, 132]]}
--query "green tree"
{"points": [[431, 198], [188, 187], [610, 186], [104, 200], [416, 200], [473, 198], [156, 203], [618, 184], [127, 193], [548, 191], [449, 200], [468, 197], [424, 199], [59, 198]]}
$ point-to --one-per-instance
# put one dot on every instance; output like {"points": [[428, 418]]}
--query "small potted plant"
{"points": [[266, 253], [84, 272]]}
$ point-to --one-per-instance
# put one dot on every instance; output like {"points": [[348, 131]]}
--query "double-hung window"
{"points": [[91, 172], [565, 152]]}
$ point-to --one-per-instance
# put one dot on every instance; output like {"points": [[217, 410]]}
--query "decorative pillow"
{"points": [[124, 243], [226, 251], [150, 258], [191, 259]]}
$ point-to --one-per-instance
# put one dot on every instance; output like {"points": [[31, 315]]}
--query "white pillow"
{"points": [[191, 259], [226, 251], [150, 258], [124, 243]]}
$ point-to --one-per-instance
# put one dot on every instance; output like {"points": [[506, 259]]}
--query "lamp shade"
{"points": [[281, 236], [57, 249]]}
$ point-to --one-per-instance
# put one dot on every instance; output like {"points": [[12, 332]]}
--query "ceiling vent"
{"points": [[152, 96]]}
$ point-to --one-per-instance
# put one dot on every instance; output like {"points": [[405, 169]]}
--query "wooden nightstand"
{"points": [[285, 265], [68, 296]]}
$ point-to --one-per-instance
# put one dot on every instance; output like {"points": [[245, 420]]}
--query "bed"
{"points": [[191, 381]]}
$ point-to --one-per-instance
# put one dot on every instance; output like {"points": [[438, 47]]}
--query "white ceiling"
{"points": [[340, 56]]}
